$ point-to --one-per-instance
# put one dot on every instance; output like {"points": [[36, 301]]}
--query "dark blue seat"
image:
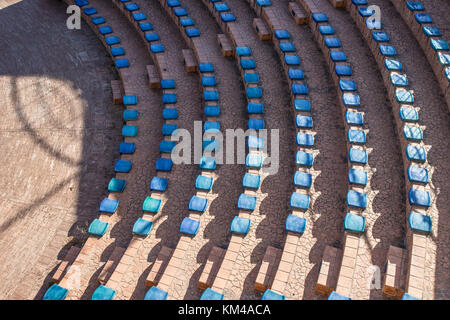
{"points": [[423, 18], [142, 227], [332, 42], [180, 12], [130, 115], [89, 11], [198, 204], [365, 12], [380, 36], [299, 89], [167, 84], [139, 16], [205, 67], [240, 225], [156, 48], [255, 124], [208, 81], [287, 47], [320, 17], [122, 63], [123, 166], [151, 36], [168, 129], [211, 111], [304, 159], [326, 30], [338, 56], [221, 7], [189, 226], [357, 156], [251, 77], [305, 139], [356, 176], [105, 30], [111, 40], [210, 95], [127, 147], [295, 224], [255, 108], [145, 26], [253, 93], [342, 70], [419, 197], [246, 202], [81, 3], [169, 98], [192, 32], [170, 114], [158, 184], [98, 20], [131, 7], [291, 60], [414, 6], [304, 122], [248, 64], [117, 51], [299, 201], [387, 50], [163, 164], [302, 179], [439, 44], [186, 22], [227, 17], [243, 51], [263, 3], [431, 31], [109, 205], [302, 105], [173, 3], [356, 199], [296, 74], [166, 146], [281, 34]]}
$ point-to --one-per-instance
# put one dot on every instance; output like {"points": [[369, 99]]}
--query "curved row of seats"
{"points": [[356, 135], [411, 134], [117, 185], [303, 179], [430, 39], [198, 203]]}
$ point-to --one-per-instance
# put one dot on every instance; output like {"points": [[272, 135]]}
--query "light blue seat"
{"points": [[105, 30], [205, 67], [302, 105], [256, 124], [392, 64], [380, 36], [131, 7], [387, 50], [186, 22], [158, 184], [302, 179], [304, 159], [192, 32], [180, 12], [272, 295], [336, 296], [299, 89], [347, 85], [198, 204], [203, 182], [98, 20], [332, 42], [145, 26], [210, 95], [166, 146], [439, 44], [240, 225], [116, 185], [291, 60], [407, 296], [356, 199], [127, 147], [123, 166], [246, 202], [168, 129], [399, 80], [129, 100], [343, 70], [208, 81], [151, 36], [423, 18], [408, 114], [295, 224], [412, 133], [281, 34], [304, 122], [117, 51], [252, 181], [103, 293], [254, 93], [122, 63], [253, 161], [356, 136], [98, 227], [351, 99], [416, 153], [338, 56], [151, 205], [163, 164], [207, 163], [354, 118], [170, 114], [227, 17], [142, 227], [431, 31], [255, 108], [414, 6], [130, 115], [365, 12], [221, 7], [129, 131], [155, 293], [419, 222], [255, 142], [111, 40], [299, 201], [210, 294], [243, 51], [305, 139], [211, 111], [320, 17], [417, 174], [89, 11], [251, 77], [326, 30], [355, 223], [56, 292], [248, 64], [169, 98], [287, 47], [357, 156], [139, 16], [419, 197], [156, 48], [173, 3], [296, 74], [356, 176], [109, 205], [189, 226], [444, 58]]}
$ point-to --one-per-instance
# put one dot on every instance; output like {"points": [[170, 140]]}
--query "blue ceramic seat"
{"points": [[122, 63], [392, 64], [246, 202], [166, 146], [208, 81], [347, 85], [240, 225], [356, 136], [255, 143], [291, 60], [299, 89], [338, 56], [105, 30], [98, 227], [127, 147], [253, 161], [189, 226], [116, 185], [142, 227], [343, 70], [221, 7], [243, 51], [287, 47], [130, 115], [55, 292], [129, 131], [248, 64], [168, 129], [210, 95], [304, 159], [210, 294], [203, 182], [145, 26], [419, 222], [419, 197], [356, 176], [129, 100], [387, 50], [158, 184], [320, 17], [417, 174], [431, 31], [256, 124], [302, 105], [332, 42], [399, 80], [151, 205], [227, 17], [336, 296], [192, 32], [356, 199], [326, 30], [354, 222], [207, 163], [305, 139], [282, 34], [416, 153], [295, 224], [357, 156], [304, 122], [154, 293], [408, 114], [186, 22], [139, 16], [211, 111], [354, 118], [380, 36], [122, 166], [251, 181], [198, 204], [117, 51], [423, 18], [251, 77], [302, 179], [157, 48], [296, 74], [170, 114], [254, 93], [272, 295], [163, 164], [109, 205], [205, 67], [299, 201], [412, 133]]}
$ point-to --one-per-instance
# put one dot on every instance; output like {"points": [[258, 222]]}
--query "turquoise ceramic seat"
{"points": [[357, 156], [305, 139], [444, 58], [356, 176], [354, 222], [98, 227], [414, 5], [304, 159], [439, 44], [109, 205], [203, 182], [336, 296], [272, 295], [56, 292], [295, 224], [240, 225], [142, 227], [246, 202], [252, 181], [419, 222], [299, 201], [103, 293], [356, 199], [387, 50], [189, 226], [154, 293], [210, 294], [116, 185], [151, 205]]}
